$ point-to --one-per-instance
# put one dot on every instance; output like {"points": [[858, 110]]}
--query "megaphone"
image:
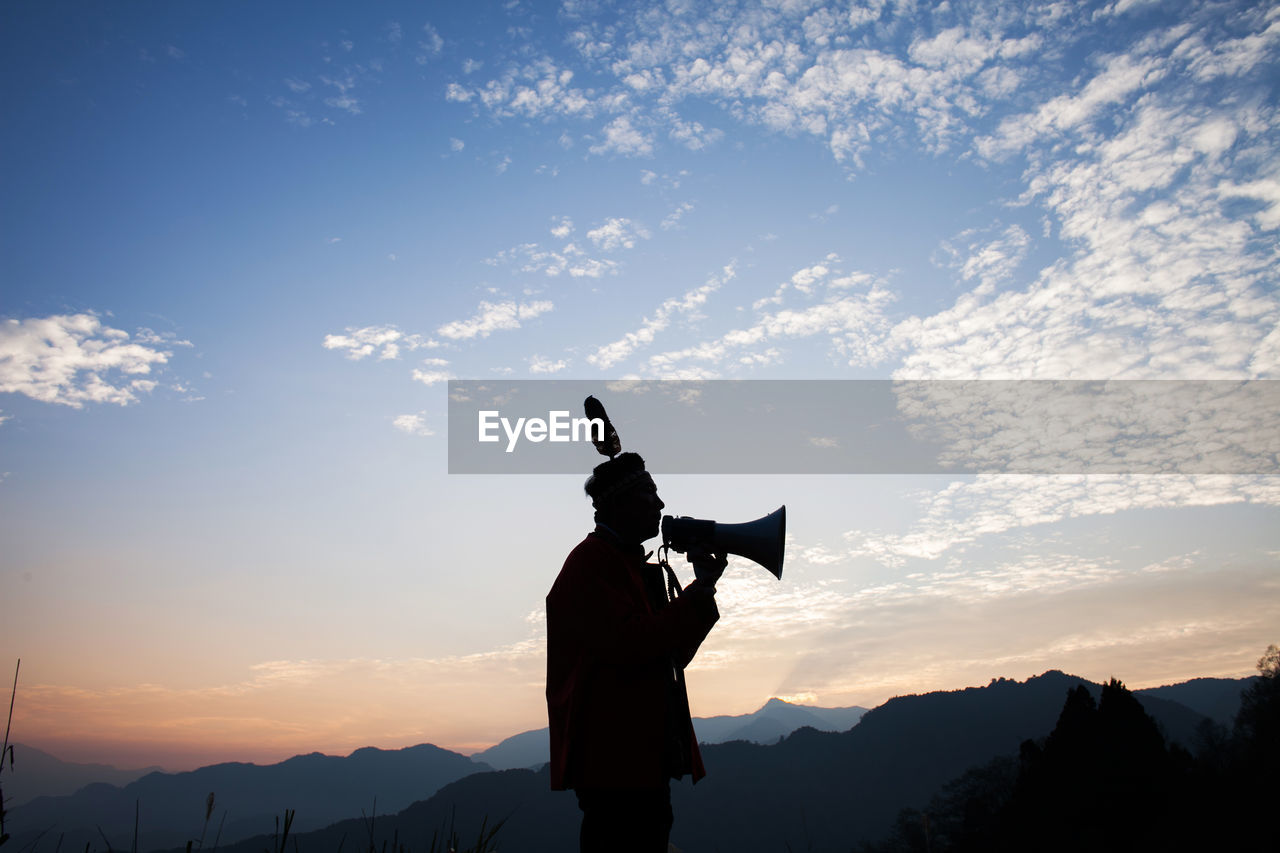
{"points": [[760, 541]]}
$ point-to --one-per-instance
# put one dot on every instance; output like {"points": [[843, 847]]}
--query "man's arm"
{"points": [[707, 568], [610, 622]]}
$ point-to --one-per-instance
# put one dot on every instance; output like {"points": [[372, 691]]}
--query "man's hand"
{"points": [[707, 567]]}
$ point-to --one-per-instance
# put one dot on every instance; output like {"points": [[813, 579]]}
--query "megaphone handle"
{"points": [[673, 583]]}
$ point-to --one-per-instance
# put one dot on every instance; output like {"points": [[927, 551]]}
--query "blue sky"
{"points": [[245, 246]]}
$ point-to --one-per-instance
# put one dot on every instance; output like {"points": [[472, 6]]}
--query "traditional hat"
{"points": [[621, 472]]}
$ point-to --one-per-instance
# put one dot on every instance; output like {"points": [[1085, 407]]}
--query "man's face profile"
{"points": [[638, 511]]}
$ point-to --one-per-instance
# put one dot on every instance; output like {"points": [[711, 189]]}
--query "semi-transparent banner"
{"points": [[872, 426]]}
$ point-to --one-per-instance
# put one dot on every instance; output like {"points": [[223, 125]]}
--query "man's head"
{"points": [[625, 498]]}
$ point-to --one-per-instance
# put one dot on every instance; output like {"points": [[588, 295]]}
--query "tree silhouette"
{"points": [[1103, 780], [1106, 780]]}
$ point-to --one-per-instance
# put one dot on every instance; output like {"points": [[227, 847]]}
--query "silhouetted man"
{"points": [[619, 633]]}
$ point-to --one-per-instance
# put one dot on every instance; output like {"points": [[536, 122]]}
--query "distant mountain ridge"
{"points": [[774, 720], [821, 790], [1216, 698], [39, 774], [171, 806], [818, 791]]}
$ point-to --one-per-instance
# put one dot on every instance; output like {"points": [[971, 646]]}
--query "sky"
{"points": [[245, 246]]}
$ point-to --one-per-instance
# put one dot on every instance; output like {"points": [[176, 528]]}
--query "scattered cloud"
{"points": [[432, 44], [1167, 286], [539, 89], [851, 319], [430, 377], [672, 219], [966, 511], [688, 304], [385, 341], [620, 137], [539, 364], [413, 424], [692, 135], [75, 359], [563, 228], [571, 258], [617, 233], [491, 317]]}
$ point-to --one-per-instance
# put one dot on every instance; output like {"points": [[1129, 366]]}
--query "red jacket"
{"points": [[618, 711]]}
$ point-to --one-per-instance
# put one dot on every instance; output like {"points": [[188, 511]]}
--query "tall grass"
{"points": [[8, 749]]}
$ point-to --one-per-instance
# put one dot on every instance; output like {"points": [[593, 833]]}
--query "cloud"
{"points": [[413, 424], [563, 228], [692, 135], [432, 372], [386, 341], [965, 511], [570, 259], [672, 219], [74, 359], [1156, 192], [430, 377], [344, 102], [1266, 191], [432, 44], [539, 364], [1121, 77], [491, 317], [803, 280], [538, 89], [620, 137], [617, 233], [851, 318], [987, 261], [875, 74], [610, 354], [1162, 280], [798, 74]]}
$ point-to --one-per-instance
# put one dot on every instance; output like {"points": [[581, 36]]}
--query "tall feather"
{"points": [[610, 445]]}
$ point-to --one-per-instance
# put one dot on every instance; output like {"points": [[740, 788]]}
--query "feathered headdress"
{"points": [[609, 444]]}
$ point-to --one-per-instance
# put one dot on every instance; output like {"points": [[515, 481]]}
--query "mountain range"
{"points": [[814, 789], [171, 806], [775, 720], [39, 774]]}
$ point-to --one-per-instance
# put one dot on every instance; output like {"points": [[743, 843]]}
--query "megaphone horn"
{"points": [[761, 541]]}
